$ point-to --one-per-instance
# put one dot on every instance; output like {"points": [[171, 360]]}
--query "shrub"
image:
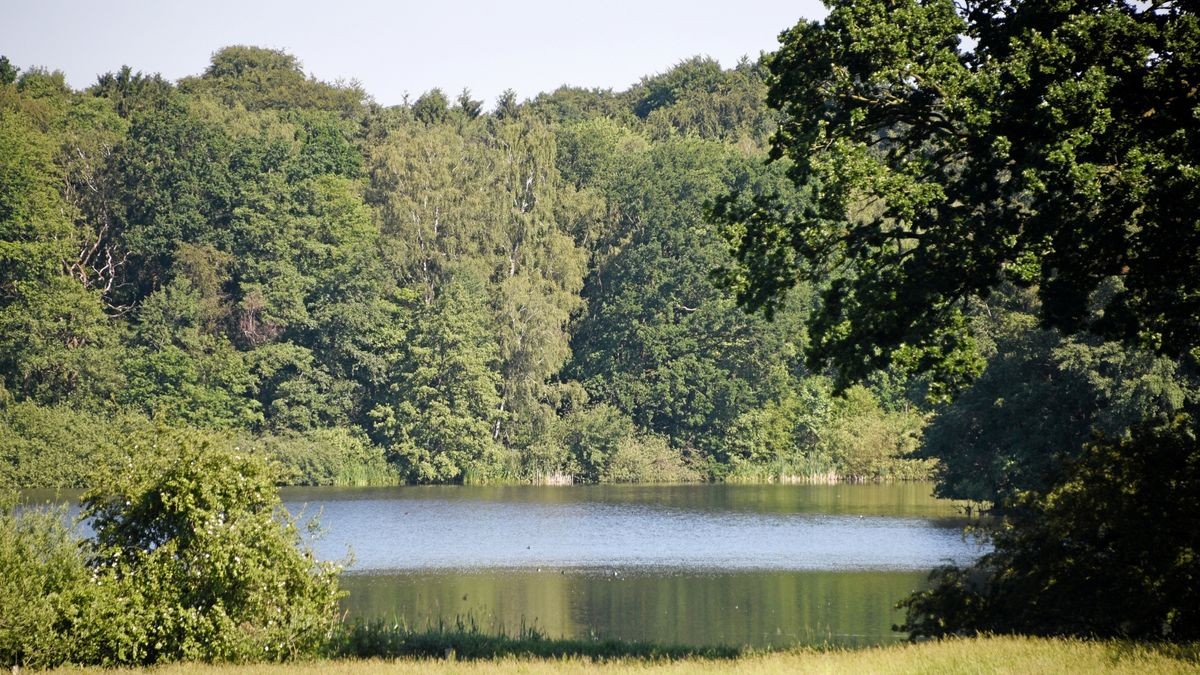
{"points": [[646, 459], [600, 444], [53, 446], [333, 456], [41, 567], [195, 542], [867, 442]]}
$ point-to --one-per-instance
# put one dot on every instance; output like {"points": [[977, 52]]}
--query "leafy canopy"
{"points": [[1057, 147]]}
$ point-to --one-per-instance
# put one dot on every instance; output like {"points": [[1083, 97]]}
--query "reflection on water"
{"points": [[758, 608], [694, 564]]}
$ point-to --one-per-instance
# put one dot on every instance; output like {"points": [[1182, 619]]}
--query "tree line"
{"points": [[428, 292]]}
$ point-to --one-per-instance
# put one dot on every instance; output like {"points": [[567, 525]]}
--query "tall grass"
{"points": [[784, 474], [1000, 655], [463, 639]]}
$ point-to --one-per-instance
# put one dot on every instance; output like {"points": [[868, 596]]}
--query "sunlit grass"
{"points": [[980, 655]]}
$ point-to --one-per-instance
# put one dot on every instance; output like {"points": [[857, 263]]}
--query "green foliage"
{"points": [[176, 186], [866, 442], [190, 561], [1092, 556], [574, 104], [255, 252], [698, 74], [600, 444], [131, 91], [646, 458], [334, 456], [432, 107], [182, 373], [54, 337], [260, 78], [1040, 398], [190, 536], [56, 344], [57, 446], [783, 438], [1060, 138], [809, 434], [590, 151], [698, 98], [1053, 156], [32, 224], [438, 420], [54, 609], [8, 72], [660, 341]]}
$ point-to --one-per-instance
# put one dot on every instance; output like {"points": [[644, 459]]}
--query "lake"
{"points": [[761, 565]]}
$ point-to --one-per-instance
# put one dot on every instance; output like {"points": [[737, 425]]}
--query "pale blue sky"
{"points": [[398, 47]]}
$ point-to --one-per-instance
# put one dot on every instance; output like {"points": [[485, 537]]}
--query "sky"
{"points": [[398, 48]]}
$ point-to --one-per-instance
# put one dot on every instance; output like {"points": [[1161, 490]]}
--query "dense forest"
{"points": [[429, 292]]}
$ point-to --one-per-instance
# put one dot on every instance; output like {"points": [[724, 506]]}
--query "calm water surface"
{"points": [[697, 564]]}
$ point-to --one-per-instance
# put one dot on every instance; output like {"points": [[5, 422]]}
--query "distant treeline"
{"points": [[427, 292]]}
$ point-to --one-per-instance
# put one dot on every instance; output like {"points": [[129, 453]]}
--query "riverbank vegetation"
{"points": [[429, 292]]}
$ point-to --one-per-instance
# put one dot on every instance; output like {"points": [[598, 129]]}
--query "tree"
{"points": [[8, 72], [507, 105], [178, 370], [432, 107], [1092, 556], [52, 328], [1041, 396], [1054, 152], [193, 558], [132, 91], [467, 105], [438, 415], [175, 185], [698, 74], [661, 342], [261, 78]]}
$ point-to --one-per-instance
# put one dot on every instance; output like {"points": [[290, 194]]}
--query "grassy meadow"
{"points": [[976, 655]]}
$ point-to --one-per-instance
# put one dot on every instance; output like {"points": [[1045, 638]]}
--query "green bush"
{"points": [[866, 442], [56, 606], [193, 559], [41, 571], [195, 537], [333, 456], [781, 440], [55, 446], [647, 458], [810, 434], [600, 444]]}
